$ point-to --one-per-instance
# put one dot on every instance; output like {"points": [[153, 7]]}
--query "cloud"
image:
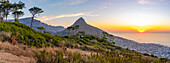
{"points": [[149, 1], [74, 2], [68, 2], [47, 18]]}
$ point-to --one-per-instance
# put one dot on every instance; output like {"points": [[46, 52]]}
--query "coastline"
{"points": [[158, 50]]}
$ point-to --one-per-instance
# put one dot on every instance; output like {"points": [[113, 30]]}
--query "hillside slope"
{"points": [[29, 36], [37, 23]]}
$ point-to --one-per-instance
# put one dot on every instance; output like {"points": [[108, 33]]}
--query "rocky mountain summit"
{"points": [[83, 26], [37, 23]]}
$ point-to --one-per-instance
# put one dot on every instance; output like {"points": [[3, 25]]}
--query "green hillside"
{"points": [[104, 51], [29, 36]]}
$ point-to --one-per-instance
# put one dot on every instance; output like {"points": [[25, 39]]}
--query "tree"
{"points": [[1, 11], [7, 9], [15, 8], [76, 28], [34, 11], [81, 33], [17, 15], [41, 29], [69, 28], [2, 1], [73, 28]]}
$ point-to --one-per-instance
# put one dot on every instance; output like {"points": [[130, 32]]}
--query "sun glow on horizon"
{"points": [[139, 28]]}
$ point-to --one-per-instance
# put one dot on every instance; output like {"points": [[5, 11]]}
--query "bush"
{"points": [[45, 57], [113, 42], [119, 48], [84, 42], [146, 54], [108, 47]]}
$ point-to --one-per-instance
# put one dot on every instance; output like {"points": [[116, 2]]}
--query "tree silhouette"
{"points": [[7, 9], [17, 15], [41, 29], [73, 28], [34, 11], [2, 5], [76, 28], [69, 28], [15, 7]]}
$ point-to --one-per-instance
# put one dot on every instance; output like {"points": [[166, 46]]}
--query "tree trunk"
{"points": [[76, 31], [68, 32], [15, 17], [73, 32], [16, 20], [32, 21], [6, 17], [0, 16]]}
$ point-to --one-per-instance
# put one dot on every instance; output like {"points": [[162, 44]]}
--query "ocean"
{"points": [[156, 38]]}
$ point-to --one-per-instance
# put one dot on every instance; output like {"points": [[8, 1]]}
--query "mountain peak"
{"points": [[83, 26], [80, 21]]}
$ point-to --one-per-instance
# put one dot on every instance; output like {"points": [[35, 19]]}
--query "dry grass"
{"points": [[5, 35], [80, 51], [23, 54], [10, 58], [19, 50], [16, 53]]}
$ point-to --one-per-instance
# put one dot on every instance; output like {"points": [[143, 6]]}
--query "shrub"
{"points": [[113, 42], [108, 47], [119, 48], [85, 42], [146, 54], [45, 57]]}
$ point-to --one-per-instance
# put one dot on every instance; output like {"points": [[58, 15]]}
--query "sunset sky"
{"points": [[109, 15]]}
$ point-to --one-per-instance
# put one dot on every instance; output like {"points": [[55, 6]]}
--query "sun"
{"points": [[141, 29]]}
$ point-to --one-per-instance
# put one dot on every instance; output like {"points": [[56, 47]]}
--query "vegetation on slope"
{"points": [[29, 36], [106, 52]]}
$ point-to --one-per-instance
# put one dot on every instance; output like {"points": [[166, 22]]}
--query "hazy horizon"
{"points": [[156, 38]]}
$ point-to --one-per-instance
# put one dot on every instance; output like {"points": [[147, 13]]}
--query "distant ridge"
{"points": [[37, 23], [83, 26]]}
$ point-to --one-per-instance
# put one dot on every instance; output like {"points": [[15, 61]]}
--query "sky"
{"points": [[109, 15]]}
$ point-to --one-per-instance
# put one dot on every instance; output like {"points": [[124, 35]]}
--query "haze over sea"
{"points": [[157, 38]]}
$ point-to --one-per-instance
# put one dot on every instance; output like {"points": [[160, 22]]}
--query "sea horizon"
{"points": [[149, 37]]}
